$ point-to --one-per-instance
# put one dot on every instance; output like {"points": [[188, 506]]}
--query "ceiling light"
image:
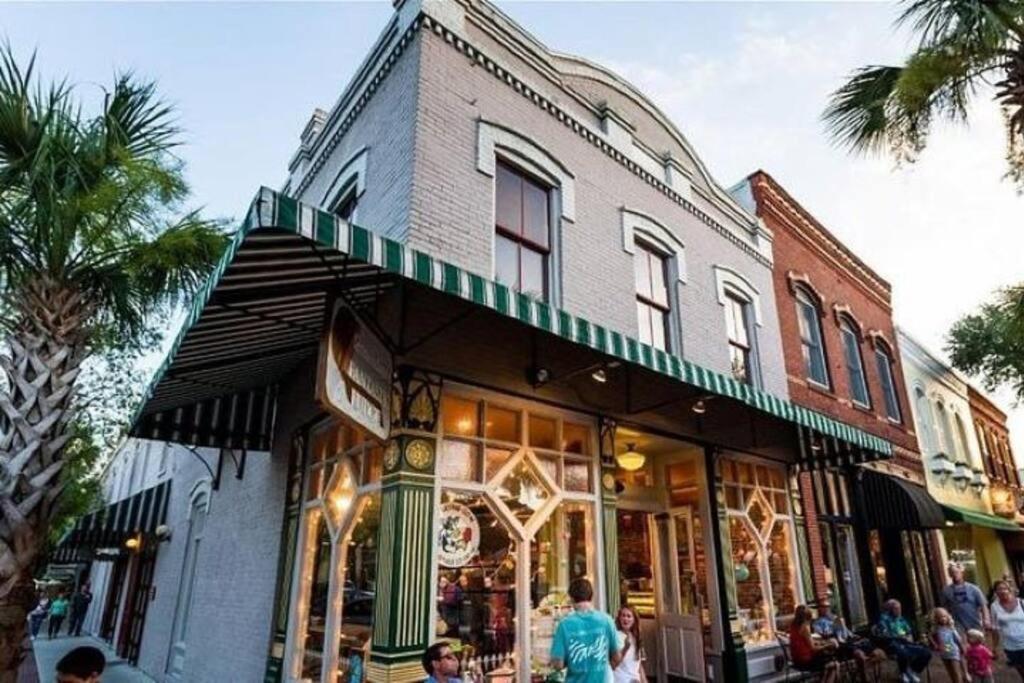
{"points": [[631, 460], [599, 376], [699, 407]]}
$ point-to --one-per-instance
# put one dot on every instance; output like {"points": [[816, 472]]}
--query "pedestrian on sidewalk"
{"points": [[441, 665], [1008, 618], [38, 614], [965, 601], [948, 644], [82, 665], [979, 658], [58, 610], [585, 642], [79, 606]]}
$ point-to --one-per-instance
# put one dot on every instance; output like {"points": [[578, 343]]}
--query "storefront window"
{"points": [[338, 561], [517, 511], [878, 560], [476, 579], [760, 531]]}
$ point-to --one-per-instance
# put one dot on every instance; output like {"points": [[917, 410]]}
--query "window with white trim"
{"points": [[653, 304], [854, 364], [522, 224], [737, 325], [811, 347], [892, 403]]}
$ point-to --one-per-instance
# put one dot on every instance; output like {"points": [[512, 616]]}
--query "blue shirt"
{"points": [[583, 642], [894, 627]]}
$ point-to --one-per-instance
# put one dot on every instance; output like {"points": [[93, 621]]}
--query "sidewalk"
{"points": [[48, 653]]}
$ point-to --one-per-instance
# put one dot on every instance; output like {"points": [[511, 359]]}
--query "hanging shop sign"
{"points": [[355, 372], [459, 537]]}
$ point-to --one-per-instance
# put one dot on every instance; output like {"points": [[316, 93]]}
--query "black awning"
{"points": [[895, 503], [109, 527]]}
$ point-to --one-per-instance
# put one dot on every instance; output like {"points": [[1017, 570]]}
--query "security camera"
{"points": [[163, 532]]}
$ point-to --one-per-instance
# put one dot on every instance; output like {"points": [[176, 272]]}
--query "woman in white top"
{"points": [[1008, 621], [631, 668]]}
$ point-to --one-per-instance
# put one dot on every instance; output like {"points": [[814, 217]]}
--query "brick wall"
{"points": [[452, 208], [840, 279]]}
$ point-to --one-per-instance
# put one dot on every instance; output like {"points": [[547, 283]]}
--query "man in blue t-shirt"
{"points": [[585, 643]]}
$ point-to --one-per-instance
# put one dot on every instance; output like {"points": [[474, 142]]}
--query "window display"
{"points": [[517, 524], [760, 531], [337, 571]]}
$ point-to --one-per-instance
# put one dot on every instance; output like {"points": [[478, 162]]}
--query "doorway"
{"points": [[664, 569]]}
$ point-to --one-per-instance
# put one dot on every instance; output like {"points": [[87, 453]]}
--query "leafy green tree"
{"points": [[965, 47], [990, 343], [94, 242]]}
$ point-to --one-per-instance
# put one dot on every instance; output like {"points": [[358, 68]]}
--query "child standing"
{"points": [[979, 658], [947, 644]]}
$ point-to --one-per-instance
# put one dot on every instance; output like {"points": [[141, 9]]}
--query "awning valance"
{"points": [[109, 527], [262, 312], [895, 503], [959, 514]]}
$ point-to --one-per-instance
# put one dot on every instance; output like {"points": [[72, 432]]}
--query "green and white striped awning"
{"points": [[261, 312]]}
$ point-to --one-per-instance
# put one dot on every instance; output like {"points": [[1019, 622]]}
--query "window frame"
{"points": [[644, 250], [807, 302], [734, 299], [520, 240], [888, 384], [849, 332]]}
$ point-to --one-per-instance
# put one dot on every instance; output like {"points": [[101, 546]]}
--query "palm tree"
{"points": [[965, 46], [93, 243]]}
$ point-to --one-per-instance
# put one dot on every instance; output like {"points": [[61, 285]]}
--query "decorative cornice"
{"points": [[584, 131], [877, 336], [322, 148], [805, 224]]}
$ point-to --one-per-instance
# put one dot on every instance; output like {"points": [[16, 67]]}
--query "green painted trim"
{"points": [[271, 210]]}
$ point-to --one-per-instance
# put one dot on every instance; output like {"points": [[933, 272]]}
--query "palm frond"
{"points": [[974, 24], [857, 115], [136, 121]]}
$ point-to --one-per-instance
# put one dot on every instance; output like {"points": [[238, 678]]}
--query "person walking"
{"points": [[979, 658], [79, 606], [38, 614], [1008, 623], [58, 610], [965, 601], [948, 644], [585, 642]]}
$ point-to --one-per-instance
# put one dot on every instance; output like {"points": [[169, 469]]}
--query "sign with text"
{"points": [[355, 373]]}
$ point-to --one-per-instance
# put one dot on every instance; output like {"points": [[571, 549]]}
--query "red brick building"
{"points": [[839, 343]]}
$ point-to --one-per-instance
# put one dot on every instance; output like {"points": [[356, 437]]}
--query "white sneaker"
{"points": [[915, 678]]}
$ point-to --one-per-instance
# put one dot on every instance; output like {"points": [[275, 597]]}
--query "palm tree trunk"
{"points": [[44, 354]]}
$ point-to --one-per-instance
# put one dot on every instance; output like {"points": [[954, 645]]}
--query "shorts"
{"points": [[1015, 657]]}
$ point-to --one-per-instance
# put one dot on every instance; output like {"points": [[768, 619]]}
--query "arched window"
{"points": [[942, 417], [883, 358], [854, 363], [812, 347], [925, 428], [961, 439]]}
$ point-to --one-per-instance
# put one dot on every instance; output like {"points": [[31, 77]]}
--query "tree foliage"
{"points": [[964, 46], [990, 343]]}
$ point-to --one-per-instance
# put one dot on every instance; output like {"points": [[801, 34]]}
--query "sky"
{"points": [[745, 82]]}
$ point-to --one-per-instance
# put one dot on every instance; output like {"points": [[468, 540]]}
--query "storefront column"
{"points": [[404, 610], [808, 536], [734, 654], [609, 516]]}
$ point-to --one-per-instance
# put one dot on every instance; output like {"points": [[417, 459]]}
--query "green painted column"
{"points": [[404, 605], [734, 653], [610, 522]]}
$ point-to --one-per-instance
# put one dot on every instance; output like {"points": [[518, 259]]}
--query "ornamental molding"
{"points": [[797, 281], [844, 310], [821, 239]]}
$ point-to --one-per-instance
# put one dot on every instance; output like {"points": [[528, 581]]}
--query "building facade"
{"points": [[954, 465], [841, 358], [500, 330]]}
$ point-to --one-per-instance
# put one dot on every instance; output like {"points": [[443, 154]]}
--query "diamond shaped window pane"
{"points": [[760, 514], [340, 496], [524, 491]]}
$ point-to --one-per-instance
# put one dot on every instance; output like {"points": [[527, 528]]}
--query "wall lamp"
{"points": [[539, 376], [942, 467]]}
